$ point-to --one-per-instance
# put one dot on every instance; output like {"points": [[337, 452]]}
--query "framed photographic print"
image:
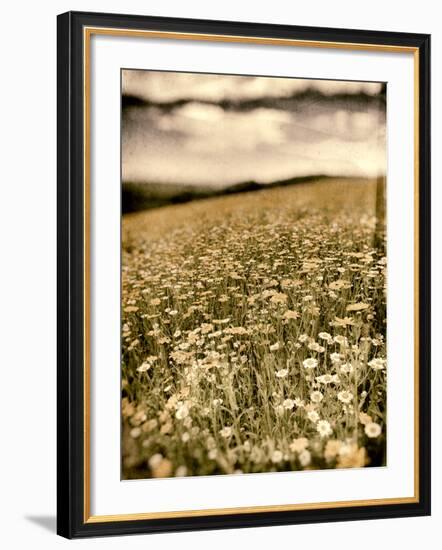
{"points": [[231, 198]]}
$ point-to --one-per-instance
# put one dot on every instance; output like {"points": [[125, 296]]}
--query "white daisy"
{"points": [[372, 429], [310, 363], [324, 429]]}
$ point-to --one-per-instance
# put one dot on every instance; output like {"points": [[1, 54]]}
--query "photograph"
{"points": [[253, 274], [243, 274]]}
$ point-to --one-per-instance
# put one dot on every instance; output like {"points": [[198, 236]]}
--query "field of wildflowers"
{"points": [[254, 333]]}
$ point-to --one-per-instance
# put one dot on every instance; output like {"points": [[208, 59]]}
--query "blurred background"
{"points": [[187, 136]]}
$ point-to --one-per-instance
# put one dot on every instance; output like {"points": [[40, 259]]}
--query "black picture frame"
{"points": [[72, 521]]}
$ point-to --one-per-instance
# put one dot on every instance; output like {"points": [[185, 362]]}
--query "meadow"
{"points": [[254, 333]]}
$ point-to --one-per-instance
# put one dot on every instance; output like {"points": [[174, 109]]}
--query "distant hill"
{"points": [[144, 196], [295, 102]]}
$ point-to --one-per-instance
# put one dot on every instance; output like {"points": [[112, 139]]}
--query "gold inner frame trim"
{"points": [[87, 34]]}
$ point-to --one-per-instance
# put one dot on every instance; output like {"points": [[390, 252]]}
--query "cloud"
{"points": [[205, 145], [200, 141]]}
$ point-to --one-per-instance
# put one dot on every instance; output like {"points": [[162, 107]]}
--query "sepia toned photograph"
{"points": [[253, 274]]}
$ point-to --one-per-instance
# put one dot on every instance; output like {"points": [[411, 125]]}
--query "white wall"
{"points": [[27, 236]]}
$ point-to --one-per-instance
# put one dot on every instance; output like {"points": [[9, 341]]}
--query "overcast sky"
{"points": [[217, 130]]}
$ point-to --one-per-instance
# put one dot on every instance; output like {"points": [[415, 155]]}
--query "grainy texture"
{"points": [[253, 335]]}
